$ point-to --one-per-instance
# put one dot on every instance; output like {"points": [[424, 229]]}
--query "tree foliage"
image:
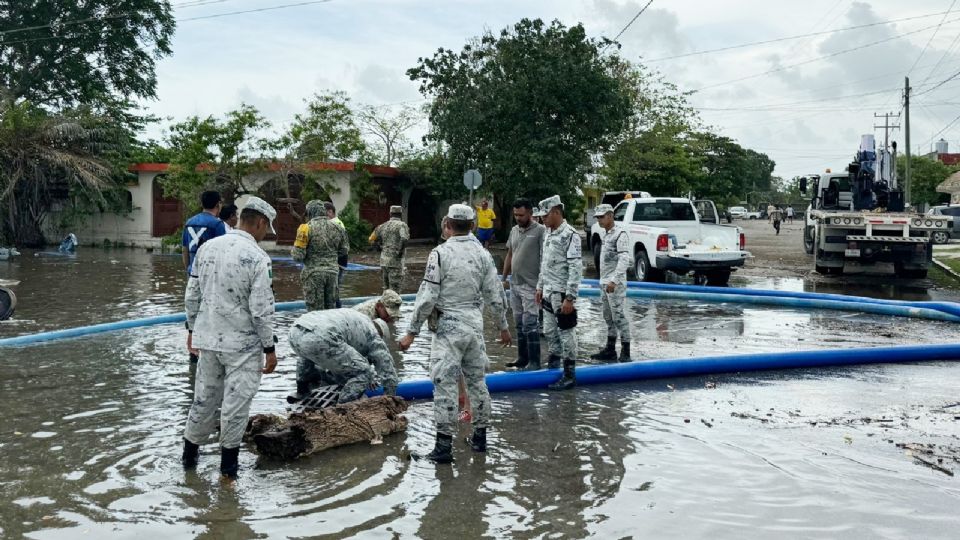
{"points": [[60, 54], [529, 107], [388, 131], [925, 175]]}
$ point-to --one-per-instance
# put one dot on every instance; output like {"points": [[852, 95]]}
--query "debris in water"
{"points": [[708, 424], [644, 486], [710, 385]]}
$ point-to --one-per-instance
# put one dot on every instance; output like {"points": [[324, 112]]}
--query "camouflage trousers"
{"points": [[457, 349], [392, 277], [615, 313], [225, 381], [325, 359], [562, 343], [320, 290]]}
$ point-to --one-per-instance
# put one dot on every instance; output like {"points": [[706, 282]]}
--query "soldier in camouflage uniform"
{"points": [[345, 347], [460, 276], [561, 266], [614, 260], [391, 239], [319, 244], [387, 307], [229, 303]]}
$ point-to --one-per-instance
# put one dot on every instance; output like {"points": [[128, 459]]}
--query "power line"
{"points": [[817, 59], [799, 36], [938, 85], [635, 17], [933, 35]]}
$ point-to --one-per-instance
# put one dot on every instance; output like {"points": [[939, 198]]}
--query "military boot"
{"points": [[478, 440], [553, 361], [442, 450], [569, 379], [523, 355], [607, 353], [191, 455], [230, 462], [303, 392], [624, 352], [533, 351]]}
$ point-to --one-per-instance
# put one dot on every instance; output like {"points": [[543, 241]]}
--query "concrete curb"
{"points": [[946, 269]]}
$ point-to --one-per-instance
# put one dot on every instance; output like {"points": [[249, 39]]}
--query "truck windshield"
{"points": [[620, 212], [663, 211]]}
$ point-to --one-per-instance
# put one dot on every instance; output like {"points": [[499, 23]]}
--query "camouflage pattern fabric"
{"points": [[615, 258], [392, 237], [318, 245], [320, 290], [228, 382], [561, 268], [460, 277], [392, 277]]}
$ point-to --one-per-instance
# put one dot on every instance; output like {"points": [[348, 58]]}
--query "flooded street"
{"points": [[91, 440]]}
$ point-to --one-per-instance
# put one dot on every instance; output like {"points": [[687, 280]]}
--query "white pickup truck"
{"points": [[677, 235]]}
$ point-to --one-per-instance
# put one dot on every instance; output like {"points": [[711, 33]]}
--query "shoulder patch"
{"points": [[432, 272], [573, 250]]}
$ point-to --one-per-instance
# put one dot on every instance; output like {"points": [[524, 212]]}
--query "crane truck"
{"points": [[858, 218]]}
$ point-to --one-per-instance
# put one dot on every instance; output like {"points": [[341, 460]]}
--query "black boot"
{"points": [[303, 392], [624, 352], [533, 351], [442, 450], [553, 361], [523, 357], [191, 455], [607, 353], [478, 441], [569, 379], [230, 462]]}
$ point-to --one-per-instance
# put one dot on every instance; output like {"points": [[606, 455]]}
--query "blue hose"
{"points": [[350, 266], [682, 367]]}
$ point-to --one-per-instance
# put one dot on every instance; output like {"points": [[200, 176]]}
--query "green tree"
{"points": [[388, 131], [528, 107], [657, 160], [327, 131], [62, 54], [925, 175]]}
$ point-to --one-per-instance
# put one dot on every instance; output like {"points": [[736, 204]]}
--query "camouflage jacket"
{"points": [[615, 256], [459, 277], [561, 264], [318, 245], [392, 237], [335, 328]]}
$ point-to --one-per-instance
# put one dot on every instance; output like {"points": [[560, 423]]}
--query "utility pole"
{"points": [[886, 126], [906, 131]]}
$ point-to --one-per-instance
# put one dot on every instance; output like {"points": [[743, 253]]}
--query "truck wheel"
{"points": [[718, 278], [808, 240], [753, 217], [940, 237], [596, 255], [642, 270]]}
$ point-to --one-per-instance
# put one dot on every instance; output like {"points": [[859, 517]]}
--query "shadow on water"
{"points": [[91, 438]]}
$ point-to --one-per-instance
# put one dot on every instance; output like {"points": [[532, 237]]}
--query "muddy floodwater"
{"points": [[91, 432]]}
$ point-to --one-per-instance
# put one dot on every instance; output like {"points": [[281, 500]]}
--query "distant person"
{"points": [[319, 245], [69, 244], [522, 265], [391, 239], [341, 261], [790, 215], [615, 259], [776, 216], [229, 216], [202, 227], [230, 305], [770, 209], [486, 223]]}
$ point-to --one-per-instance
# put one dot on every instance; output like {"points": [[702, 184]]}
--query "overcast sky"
{"points": [[804, 102]]}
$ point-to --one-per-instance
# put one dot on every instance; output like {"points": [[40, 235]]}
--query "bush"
{"points": [[358, 230]]}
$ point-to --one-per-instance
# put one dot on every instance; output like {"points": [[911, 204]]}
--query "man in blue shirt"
{"points": [[202, 227]]}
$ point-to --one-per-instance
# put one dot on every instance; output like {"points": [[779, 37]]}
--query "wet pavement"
{"points": [[91, 437]]}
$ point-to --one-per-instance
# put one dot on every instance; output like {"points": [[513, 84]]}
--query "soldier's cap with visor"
{"points": [[391, 301], [263, 207], [602, 209], [550, 203], [383, 328], [537, 212], [460, 212], [396, 210]]}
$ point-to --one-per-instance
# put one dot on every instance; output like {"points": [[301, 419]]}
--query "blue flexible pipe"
{"points": [[682, 367], [350, 266]]}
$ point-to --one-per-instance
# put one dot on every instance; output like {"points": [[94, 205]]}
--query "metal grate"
{"points": [[319, 398]]}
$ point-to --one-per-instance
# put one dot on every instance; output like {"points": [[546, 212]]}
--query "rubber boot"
{"points": [[191, 455], [624, 352], [442, 450], [230, 462], [523, 355], [478, 440], [303, 392], [194, 358], [569, 379], [607, 353], [553, 361], [533, 351]]}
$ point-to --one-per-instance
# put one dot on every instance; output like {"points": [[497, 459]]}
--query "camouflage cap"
{"points": [[314, 209], [396, 210], [460, 212], [392, 302], [550, 203], [537, 212], [263, 207], [602, 209], [383, 328]]}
